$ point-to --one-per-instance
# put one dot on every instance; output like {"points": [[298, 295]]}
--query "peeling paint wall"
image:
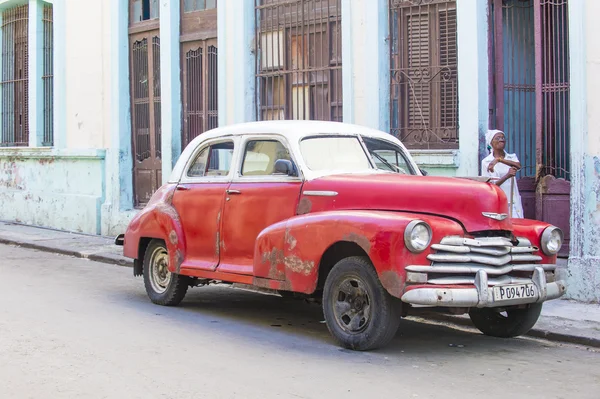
{"points": [[66, 186], [583, 271], [63, 192]]}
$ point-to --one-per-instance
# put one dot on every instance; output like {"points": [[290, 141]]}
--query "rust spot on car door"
{"points": [[304, 206]]}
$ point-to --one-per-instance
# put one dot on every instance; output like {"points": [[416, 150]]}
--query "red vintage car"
{"points": [[341, 213]]}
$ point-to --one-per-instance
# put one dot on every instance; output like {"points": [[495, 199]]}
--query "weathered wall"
{"points": [[86, 65], [584, 262], [52, 189], [64, 186]]}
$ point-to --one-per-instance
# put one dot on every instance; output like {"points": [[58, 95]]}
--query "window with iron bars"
{"points": [[48, 77], [423, 72], [299, 59], [199, 69], [15, 74]]}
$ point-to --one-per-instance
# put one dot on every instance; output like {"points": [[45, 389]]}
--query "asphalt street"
{"points": [[74, 328]]}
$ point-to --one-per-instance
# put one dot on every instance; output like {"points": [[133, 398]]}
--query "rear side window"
{"points": [[213, 160], [260, 157]]}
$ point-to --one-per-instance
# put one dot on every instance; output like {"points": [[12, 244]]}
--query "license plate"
{"points": [[514, 291]]}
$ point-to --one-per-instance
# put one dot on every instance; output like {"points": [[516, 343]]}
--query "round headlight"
{"points": [[552, 239], [417, 236]]}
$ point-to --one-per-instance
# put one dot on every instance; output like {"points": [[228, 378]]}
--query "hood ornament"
{"points": [[495, 216]]}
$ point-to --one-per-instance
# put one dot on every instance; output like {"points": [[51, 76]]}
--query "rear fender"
{"points": [[159, 220], [289, 253]]}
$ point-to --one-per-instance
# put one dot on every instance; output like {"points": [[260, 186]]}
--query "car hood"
{"points": [[460, 199]]}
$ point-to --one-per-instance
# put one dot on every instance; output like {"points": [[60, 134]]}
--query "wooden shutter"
{"points": [[419, 60], [449, 62]]}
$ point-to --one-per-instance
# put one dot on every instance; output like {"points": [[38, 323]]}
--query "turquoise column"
{"points": [[366, 63], [473, 82], [120, 161], [236, 61]]}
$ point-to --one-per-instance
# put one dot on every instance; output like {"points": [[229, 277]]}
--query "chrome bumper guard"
{"points": [[482, 295]]}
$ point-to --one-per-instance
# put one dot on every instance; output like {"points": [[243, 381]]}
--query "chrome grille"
{"points": [[456, 260], [494, 251]]}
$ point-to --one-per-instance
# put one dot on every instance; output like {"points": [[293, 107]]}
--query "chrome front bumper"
{"points": [[482, 295]]}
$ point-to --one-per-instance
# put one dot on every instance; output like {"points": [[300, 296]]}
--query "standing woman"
{"points": [[503, 166]]}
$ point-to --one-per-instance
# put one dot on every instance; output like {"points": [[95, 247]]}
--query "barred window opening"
{"points": [[299, 59], [199, 78], [15, 75], [424, 81], [145, 86], [48, 77]]}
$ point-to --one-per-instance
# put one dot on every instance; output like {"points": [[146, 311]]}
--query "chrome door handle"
{"points": [[233, 192], [182, 188]]}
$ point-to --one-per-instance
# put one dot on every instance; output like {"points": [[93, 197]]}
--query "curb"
{"points": [[108, 258], [534, 332]]}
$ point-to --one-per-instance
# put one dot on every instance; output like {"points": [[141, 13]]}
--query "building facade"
{"points": [[99, 97]]}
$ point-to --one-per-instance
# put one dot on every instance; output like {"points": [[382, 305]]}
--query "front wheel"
{"points": [[505, 323], [359, 312], [162, 286]]}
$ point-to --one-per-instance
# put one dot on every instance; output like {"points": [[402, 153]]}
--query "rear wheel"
{"points": [[505, 323], [162, 286], [359, 312]]}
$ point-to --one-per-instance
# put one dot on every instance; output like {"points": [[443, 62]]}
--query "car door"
{"points": [[199, 199], [256, 198]]}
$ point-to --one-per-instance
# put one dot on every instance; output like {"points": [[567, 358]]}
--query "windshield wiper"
{"points": [[382, 159]]}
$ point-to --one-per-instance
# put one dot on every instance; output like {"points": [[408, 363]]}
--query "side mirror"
{"points": [[423, 172], [284, 167]]}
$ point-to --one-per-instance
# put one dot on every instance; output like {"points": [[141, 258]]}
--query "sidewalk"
{"points": [[93, 247], [561, 320]]}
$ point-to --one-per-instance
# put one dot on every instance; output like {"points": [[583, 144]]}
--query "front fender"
{"points": [[532, 230], [159, 220], [291, 251]]}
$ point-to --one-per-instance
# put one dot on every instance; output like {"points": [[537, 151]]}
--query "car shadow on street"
{"points": [[292, 323]]}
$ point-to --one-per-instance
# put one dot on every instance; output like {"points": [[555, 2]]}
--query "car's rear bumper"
{"points": [[482, 295]]}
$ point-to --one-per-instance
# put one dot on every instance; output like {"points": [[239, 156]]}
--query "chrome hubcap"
{"points": [[160, 276], [351, 305]]}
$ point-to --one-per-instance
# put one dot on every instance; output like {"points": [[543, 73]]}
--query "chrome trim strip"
{"points": [[317, 193]]}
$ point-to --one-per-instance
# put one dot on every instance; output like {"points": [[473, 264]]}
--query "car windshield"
{"points": [[388, 156], [334, 153]]}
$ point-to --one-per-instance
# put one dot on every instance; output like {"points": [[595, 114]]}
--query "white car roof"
{"points": [[293, 130]]}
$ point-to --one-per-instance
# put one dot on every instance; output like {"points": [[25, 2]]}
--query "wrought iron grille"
{"points": [[200, 111], [299, 59], [424, 79], [15, 75], [48, 77], [555, 88], [156, 97], [531, 82], [141, 100]]}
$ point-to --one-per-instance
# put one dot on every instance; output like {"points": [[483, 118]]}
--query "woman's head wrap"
{"points": [[489, 136]]}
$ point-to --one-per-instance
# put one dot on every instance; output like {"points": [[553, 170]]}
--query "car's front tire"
{"points": [[360, 314], [162, 286], [507, 323]]}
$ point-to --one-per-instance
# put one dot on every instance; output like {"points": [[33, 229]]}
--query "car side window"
{"points": [[213, 160], [260, 157]]}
